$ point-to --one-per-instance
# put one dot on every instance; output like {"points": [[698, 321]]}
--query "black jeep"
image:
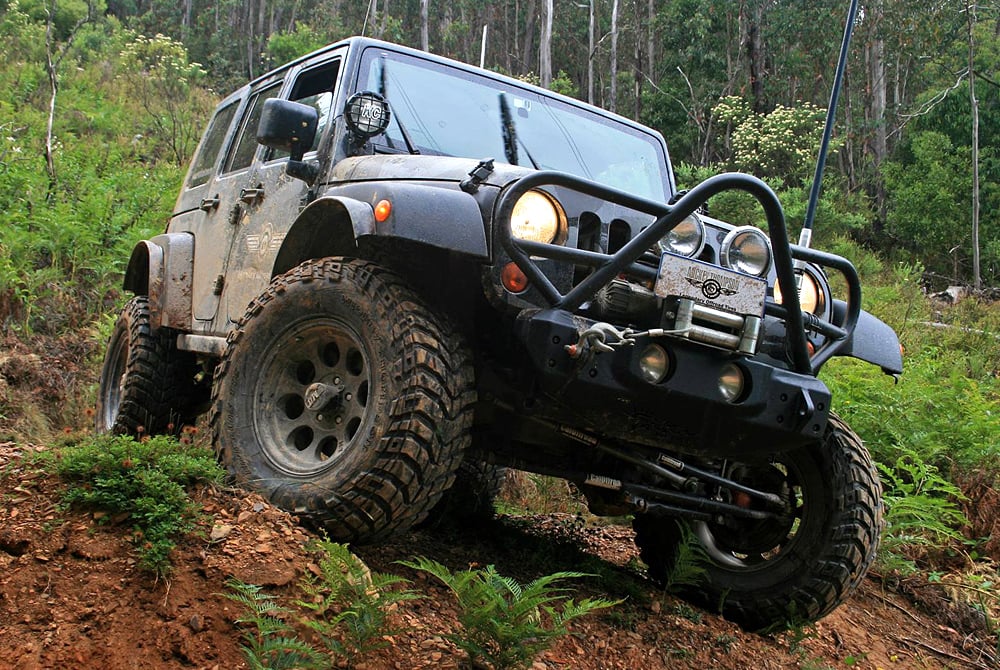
{"points": [[386, 270]]}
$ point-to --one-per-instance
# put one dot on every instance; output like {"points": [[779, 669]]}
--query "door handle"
{"points": [[251, 195], [208, 204]]}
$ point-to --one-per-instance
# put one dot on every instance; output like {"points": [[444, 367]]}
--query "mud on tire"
{"points": [[147, 385], [342, 398], [768, 577]]}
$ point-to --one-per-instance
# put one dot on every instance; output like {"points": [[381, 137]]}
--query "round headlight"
{"points": [[810, 298], [687, 238], [746, 249], [536, 218]]}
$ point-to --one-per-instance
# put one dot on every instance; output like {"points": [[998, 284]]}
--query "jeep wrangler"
{"points": [[386, 270]]}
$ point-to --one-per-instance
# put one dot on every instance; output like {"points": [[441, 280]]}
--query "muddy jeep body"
{"points": [[369, 312]]}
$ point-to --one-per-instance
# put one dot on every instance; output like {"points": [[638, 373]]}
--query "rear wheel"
{"points": [[342, 398], [774, 573], [147, 386]]}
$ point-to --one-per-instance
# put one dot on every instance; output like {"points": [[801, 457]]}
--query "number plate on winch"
{"points": [[710, 285]]}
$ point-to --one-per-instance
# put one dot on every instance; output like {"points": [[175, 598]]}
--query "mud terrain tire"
{"points": [[470, 499], [342, 398], [795, 574], [147, 385]]}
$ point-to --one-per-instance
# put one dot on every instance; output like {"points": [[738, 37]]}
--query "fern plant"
{"points": [[351, 603], [690, 560], [271, 643], [502, 620]]}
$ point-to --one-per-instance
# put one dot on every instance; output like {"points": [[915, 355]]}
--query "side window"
{"points": [[246, 143], [204, 163], [315, 88]]}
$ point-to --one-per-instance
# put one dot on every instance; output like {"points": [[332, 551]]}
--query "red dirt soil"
{"points": [[72, 596]]}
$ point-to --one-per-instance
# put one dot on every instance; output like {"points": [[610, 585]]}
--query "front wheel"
{"points": [[770, 574], [344, 399]]}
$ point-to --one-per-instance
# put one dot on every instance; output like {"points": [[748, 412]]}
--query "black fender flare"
{"points": [[435, 215], [872, 340], [162, 268]]}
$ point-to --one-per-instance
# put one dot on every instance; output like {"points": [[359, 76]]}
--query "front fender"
{"points": [[872, 341], [162, 268], [436, 215]]}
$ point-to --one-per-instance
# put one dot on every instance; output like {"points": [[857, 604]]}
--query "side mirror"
{"points": [[287, 126]]}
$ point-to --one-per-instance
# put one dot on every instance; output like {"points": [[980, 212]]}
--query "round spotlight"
{"points": [[748, 250], [731, 382], [687, 238], [654, 363], [366, 114]]}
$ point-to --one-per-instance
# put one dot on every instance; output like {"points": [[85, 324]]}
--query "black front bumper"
{"points": [[779, 409]]}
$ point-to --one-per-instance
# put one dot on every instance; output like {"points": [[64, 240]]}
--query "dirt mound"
{"points": [[71, 595]]}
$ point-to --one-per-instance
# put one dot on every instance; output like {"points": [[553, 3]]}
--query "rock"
{"points": [[220, 532]]}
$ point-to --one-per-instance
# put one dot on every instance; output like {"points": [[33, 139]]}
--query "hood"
{"points": [[422, 168]]}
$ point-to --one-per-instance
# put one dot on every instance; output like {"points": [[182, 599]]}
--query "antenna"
{"points": [[805, 237]]}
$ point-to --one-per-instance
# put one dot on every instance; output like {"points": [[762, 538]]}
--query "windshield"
{"points": [[453, 112]]}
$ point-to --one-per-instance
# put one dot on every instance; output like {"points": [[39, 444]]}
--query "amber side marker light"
{"points": [[514, 280], [382, 210]]}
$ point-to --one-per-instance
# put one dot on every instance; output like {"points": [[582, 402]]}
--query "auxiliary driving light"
{"points": [[810, 298], [654, 363], [748, 250], [687, 238], [731, 382]]}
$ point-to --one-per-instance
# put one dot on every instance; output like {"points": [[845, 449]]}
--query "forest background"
{"points": [[102, 103]]}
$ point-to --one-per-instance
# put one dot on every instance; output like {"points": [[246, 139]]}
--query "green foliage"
{"points": [[159, 74], [270, 640], [287, 46], [141, 481], [502, 619], [921, 507], [929, 203], [782, 144], [563, 83], [64, 244], [349, 600]]}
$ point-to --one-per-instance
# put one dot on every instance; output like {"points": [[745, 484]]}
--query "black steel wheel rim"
{"points": [[311, 398]]}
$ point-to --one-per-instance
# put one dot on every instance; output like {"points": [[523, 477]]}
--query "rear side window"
{"points": [[204, 163], [246, 143]]}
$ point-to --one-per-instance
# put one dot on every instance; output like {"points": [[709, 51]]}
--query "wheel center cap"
{"points": [[319, 395]]}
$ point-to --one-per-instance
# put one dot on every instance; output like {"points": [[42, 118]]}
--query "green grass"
{"points": [[142, 483]]}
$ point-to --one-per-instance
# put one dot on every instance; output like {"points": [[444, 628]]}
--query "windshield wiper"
{"points": [[382, 90], [509, 132]]}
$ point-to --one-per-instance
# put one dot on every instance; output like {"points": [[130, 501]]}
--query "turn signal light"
{"points": [[382, 210], [513, 279]]}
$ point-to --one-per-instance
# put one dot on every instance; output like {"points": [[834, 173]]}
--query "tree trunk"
{"points": [[613, 106], [545, 47], [590, 54], [424, 38], [877, 148], [752, 18], [637, 55], [528, 46], [970, 9], [651, 40]]}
